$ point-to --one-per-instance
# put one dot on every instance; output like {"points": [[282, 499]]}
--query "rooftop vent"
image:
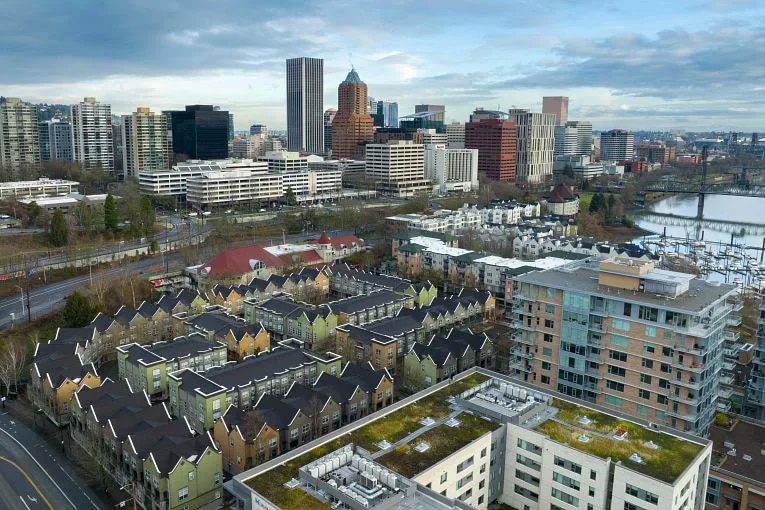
{"points": [[427, 421], [383, 445], [747, 457], [422, 447], [584, 420], [452, 422], [652, 445], [636, 458], [584, 438]]}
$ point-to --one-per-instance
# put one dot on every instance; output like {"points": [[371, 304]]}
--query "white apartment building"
{"points": [[430, 136], [173, 182], [581, 166], [92, 125], [442, 220], [212, 189], [345, 166], [19, 136], [42, 187], [250, 147], [616, 145], [455, 135], [285, 161], [145, 142], [451, 169], [536, 145], [505, 213], [399, 167]]}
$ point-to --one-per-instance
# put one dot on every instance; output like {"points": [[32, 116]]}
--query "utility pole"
{"points": [[29, 301]]}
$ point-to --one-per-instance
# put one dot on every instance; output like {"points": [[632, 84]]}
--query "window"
{"points": [[567, 464], [642, 410], [550, 292], [565, 480], [627, 309], [618, 356], [620, 324], [649, 348], [650, 331], [545, 379], [183, 493], [526, 477], [443, 477], [642, 494], [666, 351], [648, 313], [191, 476], [216, 478], [617, 371], [546, 365], [613, 385], [483, 453], [593, 475], [549, 323], [664, 383], [645, 379], [614, 401], [661, 399], [644, 394], [549, 308], [547, 337], [546, 351], [621, 341], [566, 498]]}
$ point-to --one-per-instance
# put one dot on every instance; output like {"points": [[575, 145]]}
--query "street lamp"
{"points": [[132, 494], [21, 289]]}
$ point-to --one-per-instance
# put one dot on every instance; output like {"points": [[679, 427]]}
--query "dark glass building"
{"points": [[199, 131]]}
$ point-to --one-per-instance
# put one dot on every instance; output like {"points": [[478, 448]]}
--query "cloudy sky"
{"points": [[653, 64]]}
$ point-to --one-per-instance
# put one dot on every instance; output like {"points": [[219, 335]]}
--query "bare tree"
{"points": [[13, 359]]}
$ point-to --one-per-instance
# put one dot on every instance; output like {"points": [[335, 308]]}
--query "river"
{"points": [[742, 216]]}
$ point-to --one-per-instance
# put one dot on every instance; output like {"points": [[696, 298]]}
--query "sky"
{"points": [[653, 64]]}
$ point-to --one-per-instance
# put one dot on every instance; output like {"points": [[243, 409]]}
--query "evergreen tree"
{"points": [[110, 213], [147, 215], [59, 231], [78, 311], [597, 203], [289, 196]]}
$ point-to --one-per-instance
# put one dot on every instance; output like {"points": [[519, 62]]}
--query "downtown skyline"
{"points": [[693, 67]]}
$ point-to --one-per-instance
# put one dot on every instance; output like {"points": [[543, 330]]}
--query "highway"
{"points": [[35, 477]]}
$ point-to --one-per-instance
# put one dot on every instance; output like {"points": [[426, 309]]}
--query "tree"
{"points": [[597, 203], [59, 231], [78, 311], [84, 217], [290, 197], [13, 359], [110, 213], [148, 217]]}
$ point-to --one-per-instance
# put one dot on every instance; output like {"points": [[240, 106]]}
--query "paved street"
{"points": [[35, 476]]}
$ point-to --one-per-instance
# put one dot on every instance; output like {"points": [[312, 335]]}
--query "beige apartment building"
{"points": [[627, 336], [19, 138], [398, 167], [145, 142]]}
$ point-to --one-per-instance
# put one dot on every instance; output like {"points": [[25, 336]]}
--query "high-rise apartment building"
{"points": [[627, 336], [389, 112], [329, 116], [56, 140], [558, 106], [438, 109], [19, 138], [496, 141], [305, 104], [455, 135], [352, 127], [573, 139], [451, 169], [199, 132], [536, 145], [616, 145], [259, 129], [755, 395], [398, 167], [429, 136], [145, 142], [93, 137], [655, 152]]}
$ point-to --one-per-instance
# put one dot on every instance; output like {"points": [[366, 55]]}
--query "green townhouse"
{"points": [[164, 462], [203, 397], [346, 281], [146, 367], [368, 307], [284, 318]]}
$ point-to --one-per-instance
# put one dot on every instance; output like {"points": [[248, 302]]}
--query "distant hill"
{"points": [[52, 111]]}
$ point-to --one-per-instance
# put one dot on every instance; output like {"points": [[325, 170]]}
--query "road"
{"points": [[35, 477]]}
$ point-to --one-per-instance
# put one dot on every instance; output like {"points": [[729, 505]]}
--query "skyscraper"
{"points": [[352, 126], [93, 137], [145, 142], [259, 129], [19, 139], [329, 116], [305, 104], [56, 140], [558, 106], [496, 141], [616, 145], [389, 112], [536, 145], [199, 131], [438, 109], [575, 138]]}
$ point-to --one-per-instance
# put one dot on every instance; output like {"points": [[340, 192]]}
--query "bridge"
{"points": [[697, 187], [675, 220]]}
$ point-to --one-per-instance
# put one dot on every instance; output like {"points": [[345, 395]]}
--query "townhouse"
{"points": [[369, 307], [146, 367], [285, 318], [217, 325]]}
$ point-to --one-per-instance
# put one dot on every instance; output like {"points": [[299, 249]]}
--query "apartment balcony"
{"points": [[729, 365], [732, 336], [522, 365], [730, 353], [689, 383], [592, 342], [723, 406], [727, 380], [683, 415], [596, 327], [737, 305], [591, 386], [523, 354], [725, 393], [598, 310], [734, 320], [697, 350]]}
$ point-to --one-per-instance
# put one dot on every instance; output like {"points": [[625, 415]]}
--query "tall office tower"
{"points": [[398, 167], [329, 116], [56, 140], [627, 336], [558, 106], [19, 138], [230, 126], [352, 126], [199, 132], [93, 136], [754, 405], [145, 142], [575, 138], [536, 145], [259, 129], [305, 104], [389, 112], [496, 141], [455, 135], [429, 136], [438, 109], [371, 106], [451, 169], [616, 145]]}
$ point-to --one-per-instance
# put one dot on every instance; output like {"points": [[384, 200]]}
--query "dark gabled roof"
{"points": [[567, 255], [341, 391], [102, 322], [109, 398], [125, 315], [379, 280], [278, 280], [191, 381], [267, 364], [212, 322], [438, 355], [305, 398], [58, 368], [140, 354], [409, 234], [474, 340], [364, 375], [168, 303], [127, 421], [75, 335], [481, 296], [258, 284], [280, 306], [366, 336], [178, 348], [561, 193], [249, 423], [187, 296], [169, 443], [147, 309], [311, 272], [470, 256], [394, 326], [440, 348], [277, 413], [412, 248], [355, 304]]}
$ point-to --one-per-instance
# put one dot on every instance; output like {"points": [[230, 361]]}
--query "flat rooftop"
{"points": [[701, 294], [740, 449]]}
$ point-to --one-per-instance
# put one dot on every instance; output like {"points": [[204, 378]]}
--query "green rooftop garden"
{"points": [[443, 441], [664, 463], [392, 428]]}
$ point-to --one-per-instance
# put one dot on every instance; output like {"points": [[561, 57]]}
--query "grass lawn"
{"points": [[443, 442], [585, 197], [665, 463], [392, 427]]}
